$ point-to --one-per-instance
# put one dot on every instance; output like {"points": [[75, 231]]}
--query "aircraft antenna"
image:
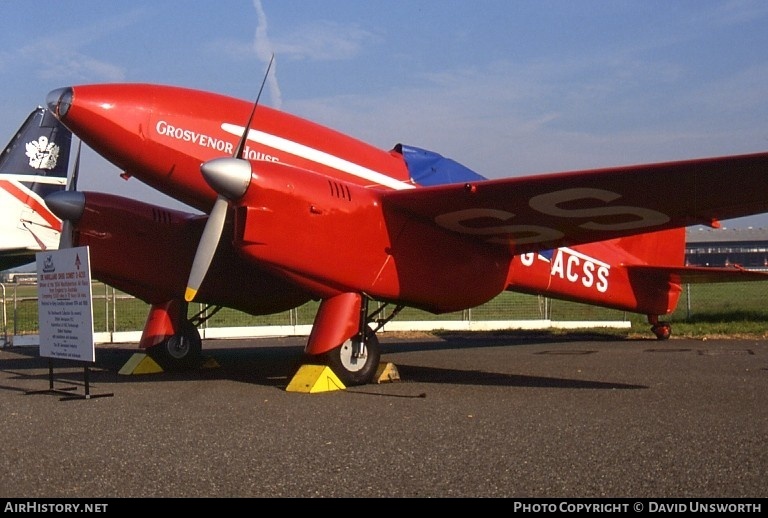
{"points": [[244, 137]]}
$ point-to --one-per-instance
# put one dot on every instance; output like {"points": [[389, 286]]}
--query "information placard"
{"points": [[64, 304]]}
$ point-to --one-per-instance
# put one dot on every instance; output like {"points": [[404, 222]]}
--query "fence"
{"points": [[119, 317]]}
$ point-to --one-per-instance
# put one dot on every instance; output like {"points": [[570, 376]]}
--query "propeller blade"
{"points": [[229, 177], [66, 237], [206, 248], [76, 170]]}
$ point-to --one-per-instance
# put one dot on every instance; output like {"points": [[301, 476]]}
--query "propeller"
{"points": [[66, 237], [229, 177]]}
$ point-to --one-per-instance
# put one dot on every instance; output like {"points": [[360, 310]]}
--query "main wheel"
{"points": [[180, 351], [355, 371]]}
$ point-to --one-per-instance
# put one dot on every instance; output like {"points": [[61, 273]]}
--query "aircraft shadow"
{"points": [[275, 365], [479, 339], [419, 374]]}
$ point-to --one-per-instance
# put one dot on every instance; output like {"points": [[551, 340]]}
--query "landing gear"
{"points": [[662, 330], [180, 351], [355, 361], [344, 337], [171, 338]]}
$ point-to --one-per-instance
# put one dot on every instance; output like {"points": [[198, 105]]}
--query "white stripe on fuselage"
{"points": [[317, 156], [27, 178]]}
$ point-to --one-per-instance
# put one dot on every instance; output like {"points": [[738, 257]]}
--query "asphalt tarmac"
{"points": [[484, 415]]}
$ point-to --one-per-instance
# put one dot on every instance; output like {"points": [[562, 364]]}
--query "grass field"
{"points": [[732, 309]]}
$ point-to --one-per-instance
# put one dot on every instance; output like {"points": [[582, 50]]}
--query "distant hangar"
{"points": [[746, 247]]}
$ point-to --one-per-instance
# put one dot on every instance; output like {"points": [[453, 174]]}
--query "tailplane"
{"points": [[659, 271], [643, 273], [34, 164]]}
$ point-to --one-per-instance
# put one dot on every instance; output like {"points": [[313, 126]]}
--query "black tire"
{"points": [[358, 371], [662, 330], [181, 351]]}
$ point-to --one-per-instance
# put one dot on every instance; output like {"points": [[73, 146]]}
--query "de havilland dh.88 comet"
{"points": [[293, 211]]}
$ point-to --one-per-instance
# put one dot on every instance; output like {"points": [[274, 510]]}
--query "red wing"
{"points": [[564, 209]]}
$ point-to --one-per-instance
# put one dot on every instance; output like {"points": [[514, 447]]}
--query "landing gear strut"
{"points": [[662, 330]]}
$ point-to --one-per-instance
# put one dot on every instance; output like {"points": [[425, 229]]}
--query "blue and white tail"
{"points": [[34, 164]]}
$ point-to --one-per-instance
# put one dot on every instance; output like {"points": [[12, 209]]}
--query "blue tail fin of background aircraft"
{"points": [[40, 148]]}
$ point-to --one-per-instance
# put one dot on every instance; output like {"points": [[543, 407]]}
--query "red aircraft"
{"points": [[294, 211]]}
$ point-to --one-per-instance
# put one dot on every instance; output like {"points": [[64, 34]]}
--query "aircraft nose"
{"points": [[67, 205], [59, 101]]}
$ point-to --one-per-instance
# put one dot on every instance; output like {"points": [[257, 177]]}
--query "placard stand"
{"points": [[65, 311], [67, 391], [50, 389], [87, 394]]}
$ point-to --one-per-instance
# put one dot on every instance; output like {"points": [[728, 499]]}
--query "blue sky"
{"points": [[505, 87]]}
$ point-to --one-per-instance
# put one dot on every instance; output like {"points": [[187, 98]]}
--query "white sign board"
{"points": [[64, 304]]}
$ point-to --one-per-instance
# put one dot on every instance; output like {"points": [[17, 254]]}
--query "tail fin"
{"points": [[38, 155], [34, 164], [662, 248]]}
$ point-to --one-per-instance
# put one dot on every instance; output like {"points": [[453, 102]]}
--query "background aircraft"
{"points": [[34, 164], [295, 211]]}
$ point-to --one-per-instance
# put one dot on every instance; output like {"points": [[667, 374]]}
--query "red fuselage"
{"points": [[162, 134]]}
